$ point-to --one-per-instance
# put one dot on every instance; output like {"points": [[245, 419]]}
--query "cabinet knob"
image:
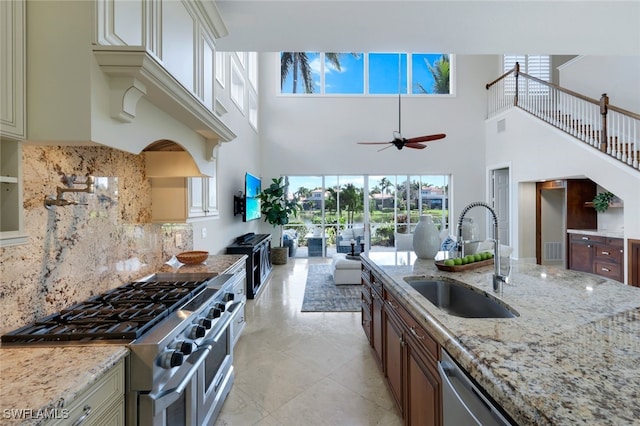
{"points": [[589, 245]]}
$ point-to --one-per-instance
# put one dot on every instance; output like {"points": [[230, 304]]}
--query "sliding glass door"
{"points": [[354, 212]]}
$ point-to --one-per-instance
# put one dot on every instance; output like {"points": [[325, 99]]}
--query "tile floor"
{"points": [[304, 368]]}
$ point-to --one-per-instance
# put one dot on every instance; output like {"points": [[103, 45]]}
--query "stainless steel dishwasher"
{"points": [[463, 402]]}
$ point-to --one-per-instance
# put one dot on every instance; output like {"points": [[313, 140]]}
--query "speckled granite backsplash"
{"points": [[78, 251]]}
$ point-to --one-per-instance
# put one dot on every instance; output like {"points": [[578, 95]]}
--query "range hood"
{"points": [[167, 159]]}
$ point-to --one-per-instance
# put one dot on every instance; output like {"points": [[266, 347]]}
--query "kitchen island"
{"points": [[39, 383], [571, 356]]}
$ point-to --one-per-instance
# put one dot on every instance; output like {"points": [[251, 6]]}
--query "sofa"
{"points": [[290, 240], [343, 240]]}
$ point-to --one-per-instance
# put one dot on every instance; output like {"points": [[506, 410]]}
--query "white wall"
{"points": [[538, 151], [617, 76], [307, 135]]}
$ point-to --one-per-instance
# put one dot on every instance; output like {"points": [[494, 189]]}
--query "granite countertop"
{"points": [[35, 379], [215, 264], [40, 378], [572, 356], [611, 233]]}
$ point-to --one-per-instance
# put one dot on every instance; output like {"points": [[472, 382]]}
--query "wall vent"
{"points": [[553, 251]]}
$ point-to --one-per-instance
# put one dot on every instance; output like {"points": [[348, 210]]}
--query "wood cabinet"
{"points": [[411, 363], [258, 264], [634, 262], [180, 199], [101, 404], [597, 255], [407, 354]]}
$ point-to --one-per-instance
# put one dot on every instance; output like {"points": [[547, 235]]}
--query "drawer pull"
{"points": [[606, 253], [606, 270], [415, 333], [585, 238], [390, 303], [86, 411]]}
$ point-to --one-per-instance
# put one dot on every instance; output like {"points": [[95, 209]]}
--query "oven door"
{"points": [[177, 402], [215, 376]]}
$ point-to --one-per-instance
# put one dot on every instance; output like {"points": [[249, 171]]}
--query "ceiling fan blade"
{"points": [[415, 145], [372, 143], [382, 149], [427, 138]]}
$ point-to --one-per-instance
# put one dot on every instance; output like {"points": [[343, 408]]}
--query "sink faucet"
{"points": [[61, 201], [498, 278]]}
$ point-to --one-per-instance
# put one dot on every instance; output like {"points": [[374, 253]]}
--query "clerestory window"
{"points": [[376, 73]]}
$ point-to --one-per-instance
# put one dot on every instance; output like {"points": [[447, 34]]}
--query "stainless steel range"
{"points": [[179, 329]]}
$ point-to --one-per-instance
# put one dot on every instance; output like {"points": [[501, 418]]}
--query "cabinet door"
{"points": [[12, 69], [393, 356], [211, 196], [581, 256], [376, 332], [196, 196], [423, 388]]}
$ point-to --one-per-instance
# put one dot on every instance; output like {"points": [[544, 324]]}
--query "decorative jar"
{"points": [[426, 238]]}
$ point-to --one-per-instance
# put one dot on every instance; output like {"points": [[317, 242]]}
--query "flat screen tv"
{"points": [[252, 187]]}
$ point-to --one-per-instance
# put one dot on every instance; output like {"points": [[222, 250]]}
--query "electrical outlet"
{"points": [[204, 232], [178, 240]]}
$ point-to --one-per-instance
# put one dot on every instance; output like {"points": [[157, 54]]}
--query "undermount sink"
{"points": [[460, 300]]}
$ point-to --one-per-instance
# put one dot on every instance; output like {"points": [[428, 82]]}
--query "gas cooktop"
{"points": [[122, 314]]}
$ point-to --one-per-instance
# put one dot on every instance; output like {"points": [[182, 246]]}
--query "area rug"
{"points": [[322, 295]]}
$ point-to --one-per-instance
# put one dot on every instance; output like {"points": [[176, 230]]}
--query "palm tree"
{"points": [[440, 72], [298, 64]]}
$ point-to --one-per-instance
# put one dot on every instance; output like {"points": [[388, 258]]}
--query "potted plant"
{"points": [[601, 201], [277, 208]]}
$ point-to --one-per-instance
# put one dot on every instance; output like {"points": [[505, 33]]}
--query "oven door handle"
{"points": [[167, 397]]}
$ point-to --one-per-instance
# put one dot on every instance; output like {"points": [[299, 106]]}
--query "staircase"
{"points": [[610, 129]]}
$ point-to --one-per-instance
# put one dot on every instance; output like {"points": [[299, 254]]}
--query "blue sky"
{"points": [[383, 73]]}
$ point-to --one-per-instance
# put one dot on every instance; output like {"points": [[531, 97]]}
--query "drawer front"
{"points": [[366, 295], [608, 253], [417, 332], [609, 270], [616, 242], [93, 403], [587, 238]]}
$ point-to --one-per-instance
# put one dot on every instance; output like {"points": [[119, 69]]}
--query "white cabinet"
{"points": [[12, 119], [182, 199], [203, 197], [12, 69], [101, 404]]}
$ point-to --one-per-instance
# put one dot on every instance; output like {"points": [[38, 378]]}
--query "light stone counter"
{"points": [[37, 380], [215, 264], [598, 232], [571, 357]]}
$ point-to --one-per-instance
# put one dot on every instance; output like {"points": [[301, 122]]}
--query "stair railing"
{"points": [[610, 129]]}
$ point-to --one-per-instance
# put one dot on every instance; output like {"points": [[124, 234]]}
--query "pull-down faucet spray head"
{"points": [[498, 278]]}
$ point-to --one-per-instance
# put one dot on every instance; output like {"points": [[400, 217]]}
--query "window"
{"points": [[253, 69], [237, 86], [378, 73], [538, 66], [535, 65], [384, 73]]}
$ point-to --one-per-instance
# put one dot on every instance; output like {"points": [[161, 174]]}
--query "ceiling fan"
{"points": [[400, 142]]}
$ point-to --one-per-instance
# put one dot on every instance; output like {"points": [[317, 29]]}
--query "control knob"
{"points": [[171, 359], [214, 313], [196, 332], [181, 346], [228, 297], [221, 306], [205, 322]]}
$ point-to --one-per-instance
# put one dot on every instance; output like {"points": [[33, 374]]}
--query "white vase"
{"points": [[426, 238]]}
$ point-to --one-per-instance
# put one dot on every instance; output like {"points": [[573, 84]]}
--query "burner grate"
{"points": [[124, 313]]}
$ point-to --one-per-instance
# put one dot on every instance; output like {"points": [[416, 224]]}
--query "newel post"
{"points": [[516, 73], [604, 107]]}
